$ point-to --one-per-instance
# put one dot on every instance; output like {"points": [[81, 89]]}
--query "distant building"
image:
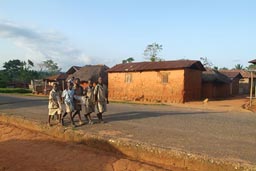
{"points": [[58, 78], [235, 77], [72, 70], [91, 72], [215, 84], [166, 81], [245, 81]]}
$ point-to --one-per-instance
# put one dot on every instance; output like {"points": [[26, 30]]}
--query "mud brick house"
{"points": [[91, 72], [166, 81], [234, 76], [245, 82], [215, 84]]}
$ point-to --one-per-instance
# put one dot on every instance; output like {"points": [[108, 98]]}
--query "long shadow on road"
{"points": [[23, 103], [132, 115]]}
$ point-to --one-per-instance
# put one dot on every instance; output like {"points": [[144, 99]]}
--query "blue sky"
{"points": [[106, 32]]}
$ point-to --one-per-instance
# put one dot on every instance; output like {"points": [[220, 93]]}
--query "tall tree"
{"points": [[13, 68], [3, 79], [16, 70], [239, 67], [128, 60], [224, 68], [49, 66], [13, 65], [251, 67], [216, 68], [151, 52]]}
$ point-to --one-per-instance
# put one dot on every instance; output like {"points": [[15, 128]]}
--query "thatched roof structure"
{"points": [[214, 76], [91, 72], [57, 77], [72, 70]]}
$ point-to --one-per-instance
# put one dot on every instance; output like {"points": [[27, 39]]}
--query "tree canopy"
{"points": [[251, 67], [17, 71], [206, 62], [239, 67], [21, 71], [152, 50], [128, 60], [49, 66]]}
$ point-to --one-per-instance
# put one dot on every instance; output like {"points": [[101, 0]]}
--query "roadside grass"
{"points": [[15, 90]]}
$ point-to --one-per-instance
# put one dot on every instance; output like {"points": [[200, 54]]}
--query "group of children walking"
{"points": [[74, 97]]}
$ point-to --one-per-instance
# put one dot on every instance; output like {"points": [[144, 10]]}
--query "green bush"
{"points": [[15, 90], [2, 84]]}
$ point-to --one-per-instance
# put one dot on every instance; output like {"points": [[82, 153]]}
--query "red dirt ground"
{"points": [[25, 150]]}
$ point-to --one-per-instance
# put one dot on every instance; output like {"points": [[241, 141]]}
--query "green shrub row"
{"points": [[15, 90]]}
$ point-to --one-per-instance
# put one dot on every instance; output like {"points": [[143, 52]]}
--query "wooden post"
{"points": [[63, 85], [255, 90], [251, 89]]}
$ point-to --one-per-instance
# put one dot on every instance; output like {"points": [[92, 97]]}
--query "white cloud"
{"points": [[42, 45]]}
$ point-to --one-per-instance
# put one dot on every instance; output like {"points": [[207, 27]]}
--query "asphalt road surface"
{"points": [[224, 135]]}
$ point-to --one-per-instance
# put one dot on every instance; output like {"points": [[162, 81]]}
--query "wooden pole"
{"points": [[63, 85], [255, 90], [251, 88]]}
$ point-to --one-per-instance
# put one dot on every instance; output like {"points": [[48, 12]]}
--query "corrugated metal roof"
{"points": [[244, 73], [162, 65], [253, 61], [231, 74]]}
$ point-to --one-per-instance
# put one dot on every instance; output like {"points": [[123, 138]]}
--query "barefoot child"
{"points": [[89, 103], [68, 98], [54, 104], [101, 99], [78, 93]]}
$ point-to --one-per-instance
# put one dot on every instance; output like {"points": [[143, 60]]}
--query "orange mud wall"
{"points": [[147, 86], [193, 85]]}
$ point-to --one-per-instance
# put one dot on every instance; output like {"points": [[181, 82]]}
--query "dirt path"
{"points": [[25, 150]]}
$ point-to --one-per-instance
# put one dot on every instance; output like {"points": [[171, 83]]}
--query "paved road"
{"points": [[228, 135]]}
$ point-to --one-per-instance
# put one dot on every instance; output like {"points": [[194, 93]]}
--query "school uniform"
{"points": [[101, 93], [78, 90], [54, 105], [68, 96], [89, 101]]}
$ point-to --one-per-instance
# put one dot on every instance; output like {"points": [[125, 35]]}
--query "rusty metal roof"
{"points": [[231, 73], [162, 65], [244, 73], [253, 61]]}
